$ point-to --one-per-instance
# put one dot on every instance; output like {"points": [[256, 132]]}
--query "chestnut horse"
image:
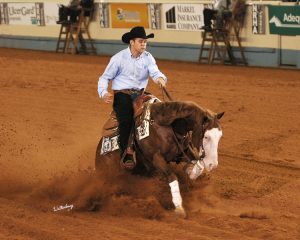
{"points": [[172, 132]]}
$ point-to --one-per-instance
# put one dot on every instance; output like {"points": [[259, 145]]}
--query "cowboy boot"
{"points": [[128, 160]]}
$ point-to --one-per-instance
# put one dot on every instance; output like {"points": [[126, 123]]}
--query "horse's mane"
{"points": [[165, 113]]}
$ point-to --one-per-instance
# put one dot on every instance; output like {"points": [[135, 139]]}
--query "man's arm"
{"points": [[155, 74], [109, 74]]}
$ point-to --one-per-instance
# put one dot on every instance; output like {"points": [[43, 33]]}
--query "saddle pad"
{"points": [[143, 129], [109, 144]]}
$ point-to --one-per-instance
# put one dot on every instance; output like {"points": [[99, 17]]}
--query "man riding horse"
{"points": [[164, 132], [129, 70]]}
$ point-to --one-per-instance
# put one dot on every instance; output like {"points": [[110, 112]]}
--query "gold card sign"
{"points": [[129, 15]]}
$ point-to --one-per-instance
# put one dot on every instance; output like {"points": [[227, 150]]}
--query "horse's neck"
{"points": [[166, 113]]}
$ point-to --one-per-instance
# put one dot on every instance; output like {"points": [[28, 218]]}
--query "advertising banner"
{"points": [[129, 15], [104, 15], [22, 14], [51, 13], [155, 15], [184, 17], [284, 20], [3, 13], [258, 19]]}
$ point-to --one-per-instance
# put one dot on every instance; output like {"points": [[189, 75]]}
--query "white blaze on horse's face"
{"points": [[210, 144]]}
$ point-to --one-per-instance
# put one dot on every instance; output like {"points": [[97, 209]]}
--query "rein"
{"points": [[195, 153], [165, 91]]}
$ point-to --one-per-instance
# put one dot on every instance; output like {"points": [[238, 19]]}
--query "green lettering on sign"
{"points": [[284, 20]]}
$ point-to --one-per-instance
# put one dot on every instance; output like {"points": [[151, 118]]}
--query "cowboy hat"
{"points": [[136, 32]]}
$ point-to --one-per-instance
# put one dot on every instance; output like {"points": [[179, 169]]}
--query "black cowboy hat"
{"points": [[136, 32]]}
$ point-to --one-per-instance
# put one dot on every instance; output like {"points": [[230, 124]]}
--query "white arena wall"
{"points": [[263, 49]]}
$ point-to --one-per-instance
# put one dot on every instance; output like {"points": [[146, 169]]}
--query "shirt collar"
{"points": [[130, 55]]}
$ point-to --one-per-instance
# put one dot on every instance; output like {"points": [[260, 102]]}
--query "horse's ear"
{"points": [[219, 115]]}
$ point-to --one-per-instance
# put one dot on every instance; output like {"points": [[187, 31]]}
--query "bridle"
{"points": [[190, 146]]}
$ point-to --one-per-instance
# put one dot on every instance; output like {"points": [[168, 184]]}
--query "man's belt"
{"points": [[129, 91]]}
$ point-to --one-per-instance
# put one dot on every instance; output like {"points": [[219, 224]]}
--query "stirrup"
{"points": [[128, 161]]}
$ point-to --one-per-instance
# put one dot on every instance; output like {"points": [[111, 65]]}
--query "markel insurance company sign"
{"points": [[284, 20], [184, 17]]}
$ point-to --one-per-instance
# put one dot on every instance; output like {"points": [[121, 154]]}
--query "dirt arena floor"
{"points": [[50, 125]]}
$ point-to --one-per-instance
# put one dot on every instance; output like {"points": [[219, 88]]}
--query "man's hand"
{"points": [[161, 82], [107, 97]]}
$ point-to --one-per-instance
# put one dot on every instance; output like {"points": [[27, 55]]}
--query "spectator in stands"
{"points": [[75, 10], [129, 70], [219, 6], [70, 13], [87, 5]]}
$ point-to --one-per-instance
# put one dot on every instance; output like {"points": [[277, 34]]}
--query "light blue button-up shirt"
{"points": [[127, 72]]}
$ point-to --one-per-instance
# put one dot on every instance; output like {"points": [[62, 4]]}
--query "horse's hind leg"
{"points": [[161, 165]]}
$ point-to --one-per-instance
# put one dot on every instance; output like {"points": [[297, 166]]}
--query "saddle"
{"points": [[110, 128], [111, 125], [181, 129]]}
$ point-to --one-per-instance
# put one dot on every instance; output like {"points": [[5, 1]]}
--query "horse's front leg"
{"points": [[161, 165]]}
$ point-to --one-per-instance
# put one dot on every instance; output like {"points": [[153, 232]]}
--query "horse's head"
{"points": [[206, 138], [204, 124]]}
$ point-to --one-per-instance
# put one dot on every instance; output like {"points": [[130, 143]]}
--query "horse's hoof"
{"points": [[180, 212]]}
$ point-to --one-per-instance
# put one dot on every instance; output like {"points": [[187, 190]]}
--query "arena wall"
{"points": [[265, 49]]}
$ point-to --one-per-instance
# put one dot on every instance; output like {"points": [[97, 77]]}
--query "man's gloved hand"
{"points": [[161, 82]]}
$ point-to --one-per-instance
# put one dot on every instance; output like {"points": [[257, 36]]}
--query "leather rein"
{"points": [[190, 146]]}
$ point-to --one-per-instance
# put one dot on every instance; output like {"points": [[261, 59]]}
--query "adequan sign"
{"points": [[284, 20]]}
